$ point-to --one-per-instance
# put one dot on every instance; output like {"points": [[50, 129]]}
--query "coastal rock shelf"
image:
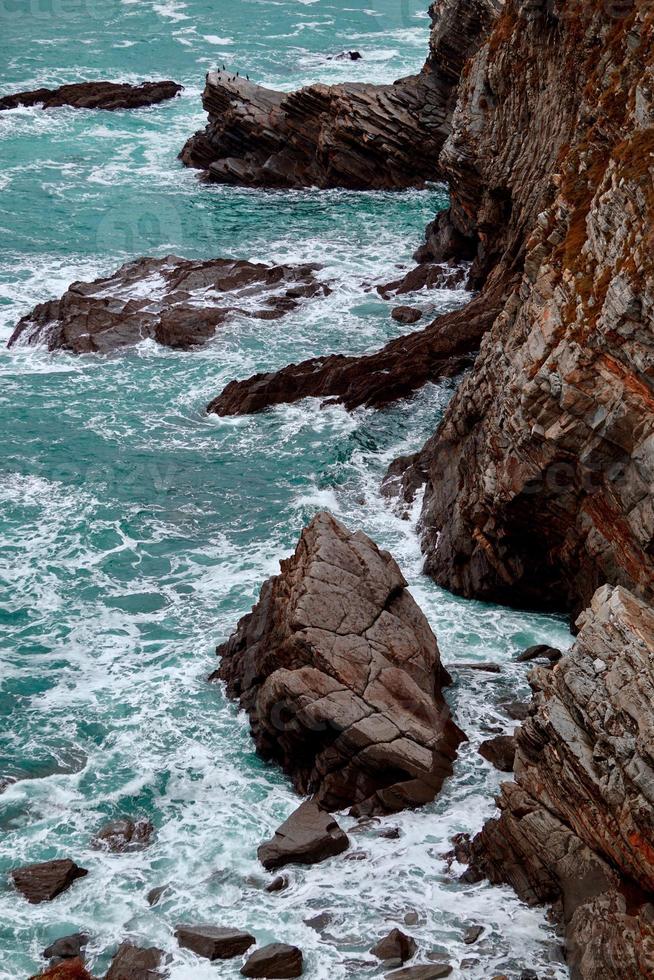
{"points": [[341, 677], [95, 95], [576, 826], [177, 302], [352, 135]]}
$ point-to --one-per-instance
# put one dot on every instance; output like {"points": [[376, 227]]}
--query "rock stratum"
{"points": [[352, 135], [341, 677], [95, 95], [575, 828], [179, 303]]}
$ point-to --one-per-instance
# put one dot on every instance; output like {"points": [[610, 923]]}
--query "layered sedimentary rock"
{"points": [[95, 95], [350, 135], [576, 827], [540, 479], [177, 302], [341, 677]]}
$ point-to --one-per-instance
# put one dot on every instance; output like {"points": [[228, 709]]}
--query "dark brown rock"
{"points": [[95, 95], [177, 302], [432, 971], [121, 836], [275, 961], [353, 135], [539, 652], [66, 948], [499, 751], [136, 963], [517, 710], [484, 668], [43, 882], [308, 836], [319, 922], [395, 946], [406, 314], [278, 884], [155, 895], [472, 934], [575, 828], [341, 677], [214, 942]]}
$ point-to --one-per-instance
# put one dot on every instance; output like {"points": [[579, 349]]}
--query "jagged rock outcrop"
{"points": [[179, 303], [95, 95], [540, 479], [576, 827], [341, 677], [350, 135]]}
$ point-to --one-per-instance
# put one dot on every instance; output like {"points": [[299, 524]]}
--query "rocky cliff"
{"points": [[341, 677], [351, 135], [575, 829]]}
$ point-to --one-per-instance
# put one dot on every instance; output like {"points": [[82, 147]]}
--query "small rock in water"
{"points": [[155, 894], [425, 971], [528, 975], [276, 961], [406, 314], [411, 918], [472, 934], [308, 836], [539, 652], [214, 942], [135, 963], [500, 752], [390, 833], [487, 668], [319, 922], [395, 946], [119, 836], [44, 881], [66, 948], [278, 884]]}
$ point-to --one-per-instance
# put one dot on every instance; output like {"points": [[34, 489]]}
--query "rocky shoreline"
{"points": [[109, 96], [538, 483]]}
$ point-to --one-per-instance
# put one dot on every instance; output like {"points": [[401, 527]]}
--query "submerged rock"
{"points": [[341, 677], [179, 303], [95, 95], [575, 828], [136, 963], [214, 942], [308, 836], [275, 961], [123, 835], [66, 948], [44, 881], [354, 135]]}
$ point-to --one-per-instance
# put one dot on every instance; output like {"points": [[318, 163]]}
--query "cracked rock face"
{"points": [[179, 303], [540, 480], [352, 135], [576, 828], [341, 677], [95, 95]]}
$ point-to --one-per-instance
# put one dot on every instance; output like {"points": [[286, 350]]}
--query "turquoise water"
{"points": [[135, 531]]}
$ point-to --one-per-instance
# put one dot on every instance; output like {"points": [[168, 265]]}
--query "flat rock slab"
{"points": [[214, 942], [43, 882], [123, 835], [421, 972], [275, 962], [308, 836], [341, 676], [95, 95], [499, 751], [136, 963], [176, 302]]}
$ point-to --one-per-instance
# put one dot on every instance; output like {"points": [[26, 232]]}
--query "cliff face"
{"points": [[575, 828], [351, 135], [540, 479]]}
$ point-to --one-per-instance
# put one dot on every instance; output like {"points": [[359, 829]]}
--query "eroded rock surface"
{"points": [[341, 677], [179, 303], [576, 828], [353, 135], [95, 95]]}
